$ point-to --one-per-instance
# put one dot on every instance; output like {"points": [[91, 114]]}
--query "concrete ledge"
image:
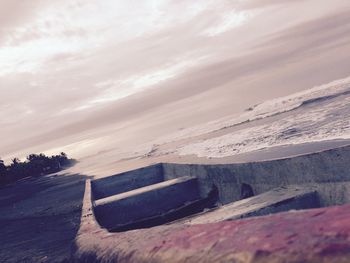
{"points": [[274, 201], [328, 166], [145, 202], [127, 181]]}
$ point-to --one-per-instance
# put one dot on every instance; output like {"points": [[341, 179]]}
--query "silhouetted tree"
{"points": [[2, 168], [15, 161], [2, 165], [35, 165], [2, 172]]}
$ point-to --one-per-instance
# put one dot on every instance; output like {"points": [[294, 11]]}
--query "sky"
{"points": [[79, 73]]}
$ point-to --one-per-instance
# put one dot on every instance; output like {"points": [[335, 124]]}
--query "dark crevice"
{"points": [[246, 191]]}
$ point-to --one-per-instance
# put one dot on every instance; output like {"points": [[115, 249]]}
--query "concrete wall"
{"points": [[145, 202], [328, 170], [127, 181], [337, 193], [331, 166]]}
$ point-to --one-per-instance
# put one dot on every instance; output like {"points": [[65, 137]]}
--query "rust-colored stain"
{"points": [[321, 231]]}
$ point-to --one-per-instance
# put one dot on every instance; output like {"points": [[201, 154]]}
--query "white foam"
{"points": [[325, 117]]}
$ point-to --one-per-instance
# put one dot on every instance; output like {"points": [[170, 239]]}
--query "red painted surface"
{"points": [[323, 231]]}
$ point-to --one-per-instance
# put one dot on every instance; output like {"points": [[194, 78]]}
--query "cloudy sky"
{"points": [[75, 71]]}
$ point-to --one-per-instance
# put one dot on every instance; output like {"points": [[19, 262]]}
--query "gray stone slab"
{"points": [[145, 202], [276, 200], [127, 181]]}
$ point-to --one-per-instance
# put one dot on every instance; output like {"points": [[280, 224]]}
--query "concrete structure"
{"points": [[274, 201], [127, 181], [303, 182], [328, 167], [146, 202]]}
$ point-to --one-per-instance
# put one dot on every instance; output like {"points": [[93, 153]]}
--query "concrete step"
{"points": [[274, 201], [146, 202]]}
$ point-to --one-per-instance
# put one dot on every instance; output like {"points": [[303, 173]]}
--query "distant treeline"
{"points": [[34, 165]]}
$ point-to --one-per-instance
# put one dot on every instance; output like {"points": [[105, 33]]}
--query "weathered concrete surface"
{"points": [[317, 235], [127, 181], [333, 193], [274, 201], [145, 202], [330, 166]]}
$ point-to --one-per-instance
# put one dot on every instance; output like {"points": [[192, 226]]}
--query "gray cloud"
{"points": [[16, 12], [259, 58]]}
